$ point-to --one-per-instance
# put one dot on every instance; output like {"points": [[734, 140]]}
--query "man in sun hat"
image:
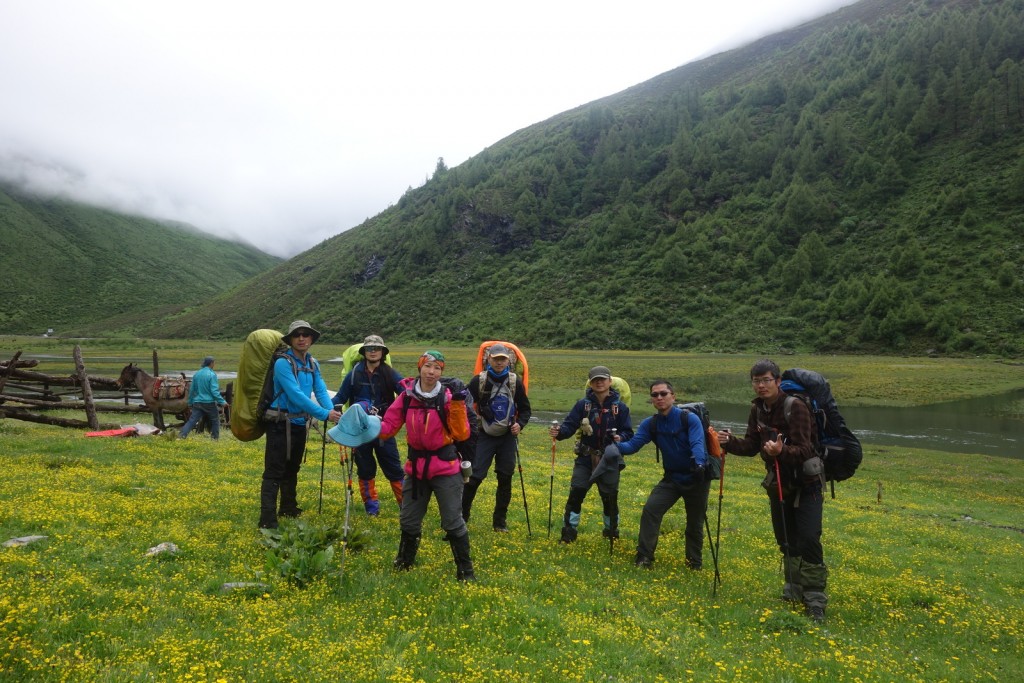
{"points": [[598, 417], [374, 384], [204, 397], [503, 411], [296, 377]]}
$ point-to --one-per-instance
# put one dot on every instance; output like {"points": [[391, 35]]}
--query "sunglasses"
{"points": [[301, 333], [660, 394]]}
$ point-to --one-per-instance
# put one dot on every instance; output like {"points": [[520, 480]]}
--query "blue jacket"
{"points": [[296, 390], [204, 388], [613, 413], [682, 446], [370, 390]]}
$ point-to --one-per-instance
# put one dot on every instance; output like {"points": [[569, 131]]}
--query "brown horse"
{"points": [[158, 393]]}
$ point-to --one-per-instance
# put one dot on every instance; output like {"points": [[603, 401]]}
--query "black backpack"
{"points": [[698, 408], [838, 447]]}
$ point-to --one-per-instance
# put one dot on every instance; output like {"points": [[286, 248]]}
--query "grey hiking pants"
{"points": [[663, 496]]}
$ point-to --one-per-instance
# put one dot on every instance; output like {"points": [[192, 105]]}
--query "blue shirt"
{"points": [[682, 445], [204, 388], [293, 393]]}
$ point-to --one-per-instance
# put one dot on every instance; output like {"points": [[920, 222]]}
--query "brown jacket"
{"points": [[797, 434]]}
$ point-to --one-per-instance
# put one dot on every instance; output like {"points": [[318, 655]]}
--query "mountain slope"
{"points": [[68, 265], [851, 184], [854, 184]]}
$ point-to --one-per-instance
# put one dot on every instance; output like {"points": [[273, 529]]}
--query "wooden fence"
{"points": [[26, 394]]}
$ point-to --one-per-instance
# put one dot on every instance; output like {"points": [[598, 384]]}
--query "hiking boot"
{"points": [[368, 492], [569, 535], [815, 613], [501, 528], [288, 507], [463, 561], [643, 562], [268, 503], [408, 545], [610, 533], [693, 566], [793, 592]]}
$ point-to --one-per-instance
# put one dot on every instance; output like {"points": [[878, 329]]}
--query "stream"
{"points": [[971, 426]]}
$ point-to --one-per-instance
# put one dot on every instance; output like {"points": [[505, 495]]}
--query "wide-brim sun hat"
{"points": [[373, 341], [298, 325], [355, 427]]}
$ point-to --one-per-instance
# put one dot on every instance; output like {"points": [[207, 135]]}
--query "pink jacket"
{"points": [[425, 433]]}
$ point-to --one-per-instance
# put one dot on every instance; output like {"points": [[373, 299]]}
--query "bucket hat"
{"points": [[355, 427], [298, 325], [372, 341]]}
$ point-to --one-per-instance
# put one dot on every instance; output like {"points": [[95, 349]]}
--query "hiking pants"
{"points": [[802, 523], [579, 485], [278, 463], [386, 451], [499, 449], [448, 489], [663, 496]]}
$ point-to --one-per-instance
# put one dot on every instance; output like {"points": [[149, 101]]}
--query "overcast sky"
{"points": [[284, 123]]}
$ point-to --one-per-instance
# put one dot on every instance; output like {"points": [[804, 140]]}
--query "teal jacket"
{"points": [[204, 388]]}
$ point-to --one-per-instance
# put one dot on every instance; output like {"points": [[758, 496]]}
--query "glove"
{"points": [[454, 384], [611, 461], [459, 395]]}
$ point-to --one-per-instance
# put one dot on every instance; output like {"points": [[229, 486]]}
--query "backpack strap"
{"points": [[787, 407]]}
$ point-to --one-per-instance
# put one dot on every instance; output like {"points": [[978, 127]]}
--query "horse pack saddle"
{"points": [[170, 388]]}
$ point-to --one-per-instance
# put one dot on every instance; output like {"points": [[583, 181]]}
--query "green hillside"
{"points": [[69, 267], [855, 184]]}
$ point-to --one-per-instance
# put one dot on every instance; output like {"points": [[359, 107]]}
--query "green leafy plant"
{"points": [[301, 551]]}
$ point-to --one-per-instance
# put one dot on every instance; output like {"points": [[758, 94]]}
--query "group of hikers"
{"points": [[456, 431]]}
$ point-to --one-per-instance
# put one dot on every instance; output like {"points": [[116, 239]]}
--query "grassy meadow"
{"points": [[923, 548]]}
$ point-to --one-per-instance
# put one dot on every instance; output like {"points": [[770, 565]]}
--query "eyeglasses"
{"points": [[762, 381], [302, 333], [660, 394]]}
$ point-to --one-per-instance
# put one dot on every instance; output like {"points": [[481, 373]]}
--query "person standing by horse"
{"points": [[204, 399], [373, 383], [296, 376]]}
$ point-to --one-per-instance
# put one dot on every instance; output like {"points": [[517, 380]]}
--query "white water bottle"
{"points": [[467, 469]]}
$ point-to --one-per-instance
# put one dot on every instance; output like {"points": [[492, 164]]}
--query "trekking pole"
{"points": [[782, 519], [714, 553], [323, 460], [551, 491], [718, 527], [348, 507], [522, 484], [611, 536]]}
